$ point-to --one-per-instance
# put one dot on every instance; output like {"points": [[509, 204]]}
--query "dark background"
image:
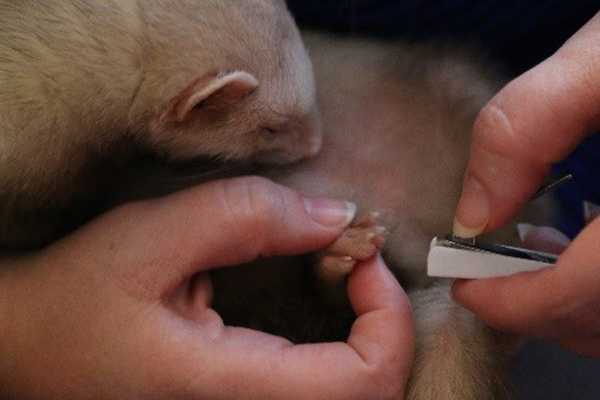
{"points": [[518, 33]]}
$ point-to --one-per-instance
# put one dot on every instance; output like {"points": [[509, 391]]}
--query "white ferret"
{"points": [[87, 84]]}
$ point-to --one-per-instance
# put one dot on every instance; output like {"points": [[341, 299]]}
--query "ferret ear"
{"points": [[210, 93]]}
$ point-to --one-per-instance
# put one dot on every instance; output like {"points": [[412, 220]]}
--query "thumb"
{"points": [[221, 223], [535, 121]]}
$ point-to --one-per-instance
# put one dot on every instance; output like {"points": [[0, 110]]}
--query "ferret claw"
{"points": [[359, 242]]}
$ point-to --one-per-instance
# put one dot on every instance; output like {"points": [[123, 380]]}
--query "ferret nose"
{"points": [[314, 145], [314, 135]]}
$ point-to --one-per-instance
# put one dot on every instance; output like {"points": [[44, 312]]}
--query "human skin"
{"points": [[535, 121], [121, 308]]}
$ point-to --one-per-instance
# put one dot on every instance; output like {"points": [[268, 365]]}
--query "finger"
{"points": [[543, 238], [554, 303], [218, 224], [374, 363], [379, 351], [535, 121], [384, 324]]}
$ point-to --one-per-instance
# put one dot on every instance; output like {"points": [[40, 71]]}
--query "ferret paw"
{"points": [[359, 242]]}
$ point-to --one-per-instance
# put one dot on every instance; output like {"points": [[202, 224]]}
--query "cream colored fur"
{"points": [[458, 356], [397, 121], [85, 82]]}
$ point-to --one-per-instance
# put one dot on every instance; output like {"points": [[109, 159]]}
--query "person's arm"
{"points": [[121, 308], [536, 120]]}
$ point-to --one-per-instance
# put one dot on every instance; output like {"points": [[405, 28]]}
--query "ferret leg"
{"points": [[457, 356]]}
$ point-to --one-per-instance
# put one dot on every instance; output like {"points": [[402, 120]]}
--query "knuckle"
{"points": [[267, 199], [386, 381], [493, 130], [498, 134], [500, 156], [256, 200]]}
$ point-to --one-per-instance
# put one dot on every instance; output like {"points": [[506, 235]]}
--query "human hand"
{"points": [[121, 308], [559, 303], [535, 121]]}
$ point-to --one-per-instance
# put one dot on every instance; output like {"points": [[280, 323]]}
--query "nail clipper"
{"points": [[454, 257]]}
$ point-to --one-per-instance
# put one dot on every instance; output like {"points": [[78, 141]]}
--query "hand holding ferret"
{"points": [[122, 308]]}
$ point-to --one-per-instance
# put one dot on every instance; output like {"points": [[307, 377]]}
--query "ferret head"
{"points": [[226, 78]]}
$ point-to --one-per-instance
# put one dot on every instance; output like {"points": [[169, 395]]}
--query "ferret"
{"points": [[181, 79], [88, 86], [397, 121]]}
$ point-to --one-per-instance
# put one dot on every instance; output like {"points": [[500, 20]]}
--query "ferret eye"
{"points": [[201, 105], [269, 132]]}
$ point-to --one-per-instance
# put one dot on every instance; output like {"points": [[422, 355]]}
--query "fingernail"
{"points": [[543, 238], [523, 230], [330, 213], [590, 211], [473, 211]]}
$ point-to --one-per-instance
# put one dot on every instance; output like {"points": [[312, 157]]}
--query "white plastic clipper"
{"points": [[458, 258], [453, 259]]}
